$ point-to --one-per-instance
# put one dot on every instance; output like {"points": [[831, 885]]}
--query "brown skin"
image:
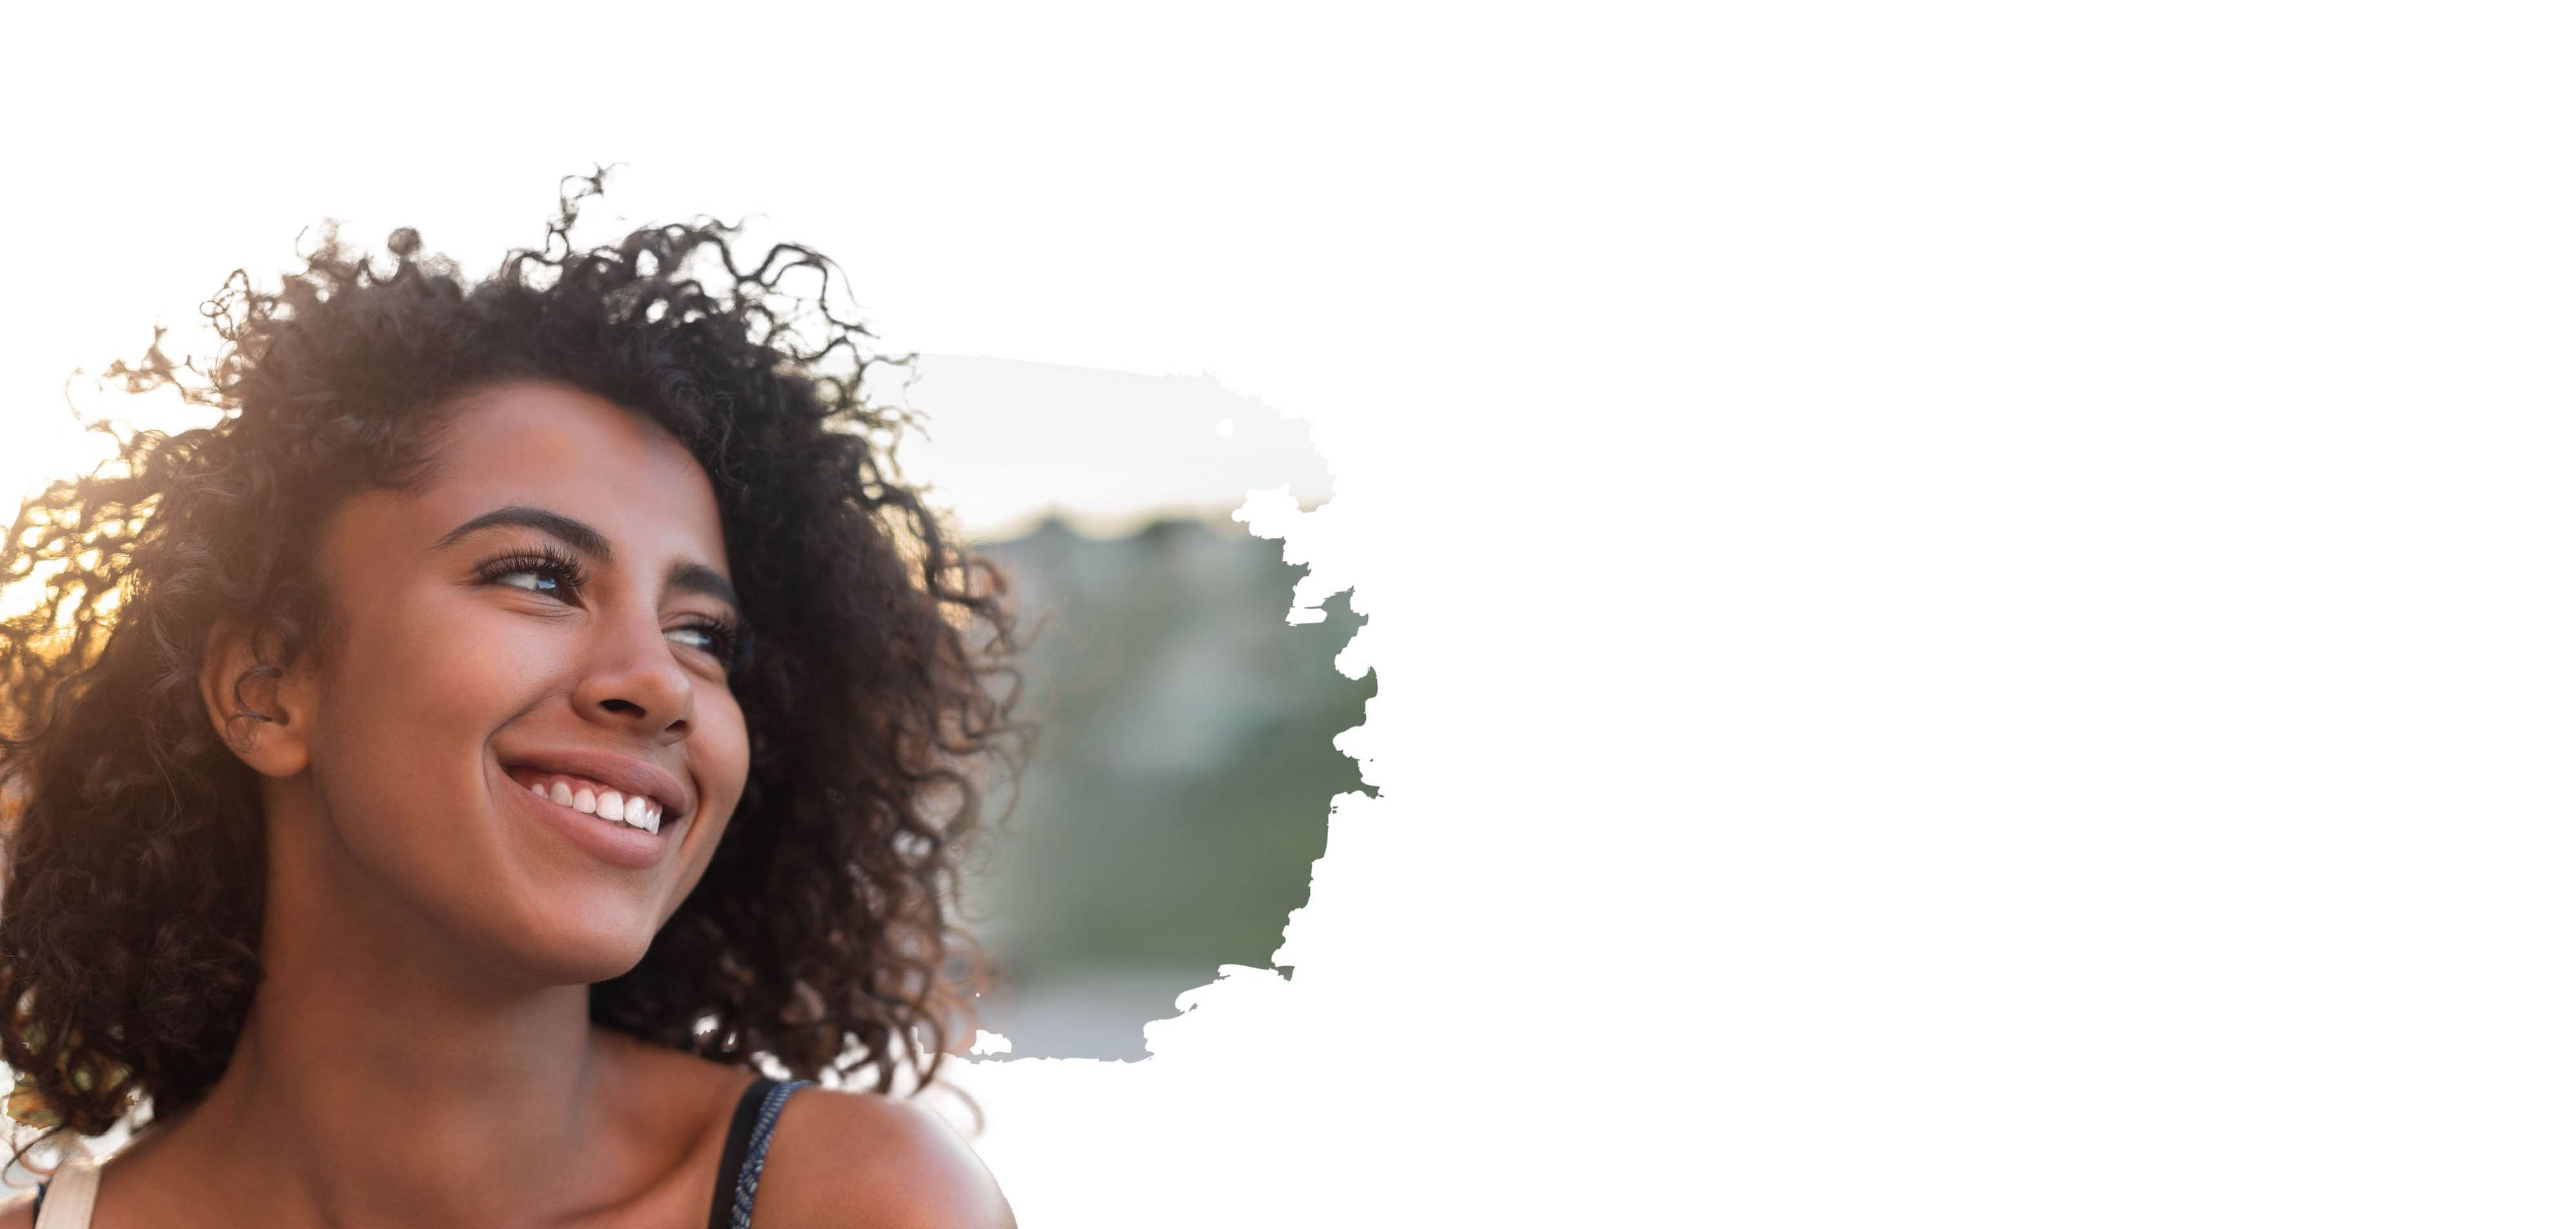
{"points": [[419, 1053]]}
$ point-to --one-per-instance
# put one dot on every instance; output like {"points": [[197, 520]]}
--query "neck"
{"points": [[372, 1108], [385, 1077]]}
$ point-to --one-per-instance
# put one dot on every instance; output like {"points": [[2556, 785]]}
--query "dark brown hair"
{"points": [[878, 689]]}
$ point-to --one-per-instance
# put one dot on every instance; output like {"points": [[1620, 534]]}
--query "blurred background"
{"points": [[1176, 798]]}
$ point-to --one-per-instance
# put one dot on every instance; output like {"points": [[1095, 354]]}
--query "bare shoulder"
{"points": [[861, 1160], [18, 1211]]}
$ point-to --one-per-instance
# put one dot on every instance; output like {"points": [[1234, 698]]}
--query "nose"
{"points": [[634, 683]]}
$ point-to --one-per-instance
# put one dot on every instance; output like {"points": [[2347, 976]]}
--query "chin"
{"points": [[590, 968], [570, 953]]}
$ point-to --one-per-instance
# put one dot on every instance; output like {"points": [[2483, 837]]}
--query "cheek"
{"points": [[720, 760], [410, 715], [724, 756]]}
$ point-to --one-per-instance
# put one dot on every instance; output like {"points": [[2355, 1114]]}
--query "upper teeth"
{"points": [[591, 799]]}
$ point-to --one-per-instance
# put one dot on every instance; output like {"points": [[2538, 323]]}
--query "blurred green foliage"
{"points": [[1176, 799]]}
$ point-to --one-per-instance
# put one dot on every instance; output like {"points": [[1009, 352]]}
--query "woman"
{"points": [[397, 802]]}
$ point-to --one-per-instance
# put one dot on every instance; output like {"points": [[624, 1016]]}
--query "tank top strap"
{"points": [[755, 1119], [64, 1200]]}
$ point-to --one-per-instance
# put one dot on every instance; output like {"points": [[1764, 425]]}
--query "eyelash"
{"points": [[570, 576]]}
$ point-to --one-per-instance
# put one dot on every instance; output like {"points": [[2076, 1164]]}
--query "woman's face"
{"points": [[473, 668]]}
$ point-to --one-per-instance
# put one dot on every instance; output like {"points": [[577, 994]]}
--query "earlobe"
{"points": [[262, 715]]}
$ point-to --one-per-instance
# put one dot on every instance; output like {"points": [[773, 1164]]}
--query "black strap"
{"points": [[38, 1210], [737, 1142]]}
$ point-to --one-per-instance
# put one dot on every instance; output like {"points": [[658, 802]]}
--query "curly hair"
{"points": [[881, 693]]}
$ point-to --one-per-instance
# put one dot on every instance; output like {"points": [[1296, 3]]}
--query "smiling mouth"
{"points": [[593, 799]]}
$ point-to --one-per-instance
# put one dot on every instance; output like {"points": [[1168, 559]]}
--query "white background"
{"points": [[1971, 601]]}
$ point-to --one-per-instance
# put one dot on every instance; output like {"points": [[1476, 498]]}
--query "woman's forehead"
{"points": [[580, 456]]}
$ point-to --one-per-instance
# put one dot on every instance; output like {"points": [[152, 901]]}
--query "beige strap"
{"points": [[69, 1196]]}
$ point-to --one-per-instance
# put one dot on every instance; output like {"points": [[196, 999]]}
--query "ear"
{"points": [[276, 746]]}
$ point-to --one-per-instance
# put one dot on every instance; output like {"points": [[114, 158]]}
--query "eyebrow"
{"points": [[691, 576], [575, 534], [686, 575]]}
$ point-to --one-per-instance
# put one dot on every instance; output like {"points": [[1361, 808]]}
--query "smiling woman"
{"points": [[397, 807]]}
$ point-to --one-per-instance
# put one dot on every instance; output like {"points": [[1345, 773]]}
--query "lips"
{"points": [[623, 773]]}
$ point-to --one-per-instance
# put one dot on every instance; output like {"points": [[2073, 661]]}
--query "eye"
{"points": [[542, 581], [539, 571], [717, 637]]}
